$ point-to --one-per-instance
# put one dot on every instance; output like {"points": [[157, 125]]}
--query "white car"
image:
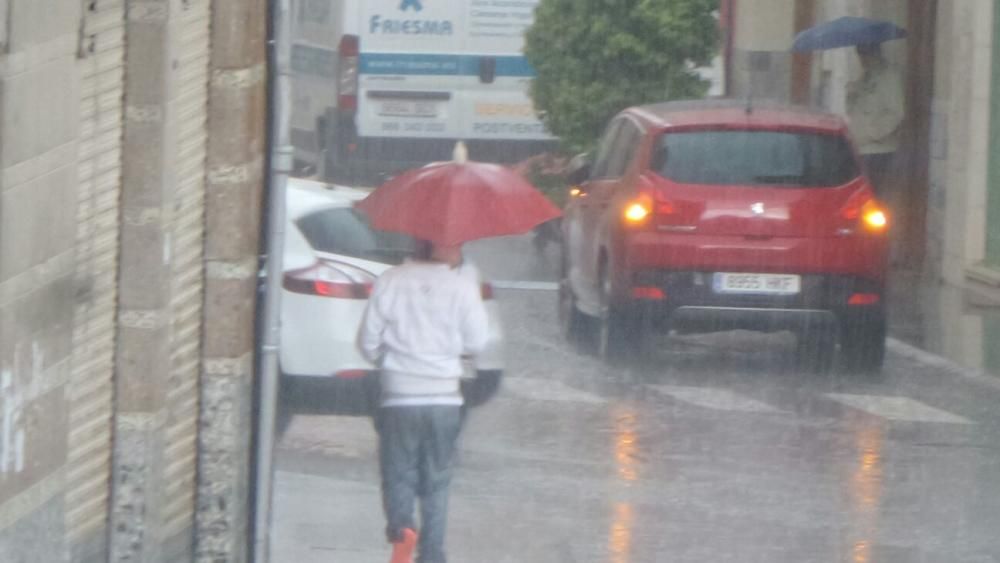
{"points": [[331, 259]]}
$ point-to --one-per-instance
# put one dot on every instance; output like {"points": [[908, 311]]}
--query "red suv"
{"points": [[717, 215]]}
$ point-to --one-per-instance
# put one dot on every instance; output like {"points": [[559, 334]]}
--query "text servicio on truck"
{"points": [[411, 77]]}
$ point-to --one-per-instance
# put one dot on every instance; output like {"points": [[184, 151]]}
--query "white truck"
{"points": [[385, 85]]}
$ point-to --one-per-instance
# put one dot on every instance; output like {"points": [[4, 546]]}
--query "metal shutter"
{"points": [[187, 235], [99, 163]]}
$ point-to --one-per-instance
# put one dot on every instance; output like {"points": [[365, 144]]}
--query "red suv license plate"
{"points": [[757, 284]]}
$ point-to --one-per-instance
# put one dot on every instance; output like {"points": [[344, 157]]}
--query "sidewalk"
{"points": [[310, 509], [959, 324], [322, 472], [302, 523]]}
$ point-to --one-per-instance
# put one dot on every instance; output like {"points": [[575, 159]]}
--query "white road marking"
{"points": [[546, 390], [533, 285], [897, 408], [715, 399]]}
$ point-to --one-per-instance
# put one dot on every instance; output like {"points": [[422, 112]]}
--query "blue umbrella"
{"points": [[846, 32]]}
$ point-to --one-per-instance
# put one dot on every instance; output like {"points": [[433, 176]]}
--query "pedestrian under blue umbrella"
{"points": [[875, 102], [847, 31], [875, 110]]}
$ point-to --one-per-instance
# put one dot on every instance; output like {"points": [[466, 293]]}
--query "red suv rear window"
{"points": [[755, 158]]}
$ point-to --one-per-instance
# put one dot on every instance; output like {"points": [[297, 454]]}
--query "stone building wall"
{"points": [[131, 165]]}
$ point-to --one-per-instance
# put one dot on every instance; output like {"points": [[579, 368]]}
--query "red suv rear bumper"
{"points": [[862, 256], [681, 266], [689, 298]]}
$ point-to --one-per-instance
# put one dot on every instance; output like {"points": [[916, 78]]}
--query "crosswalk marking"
{"points": [[530, 285], [715, 399], [900, 409], [897, 408], [547, 390]]}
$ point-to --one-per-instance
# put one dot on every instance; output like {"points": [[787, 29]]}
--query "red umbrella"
{"points": [[454, 202]]}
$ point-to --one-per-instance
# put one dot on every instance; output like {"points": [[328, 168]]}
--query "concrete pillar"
{"points": [[237, 120], [801, 69], [967, 139], [938, 146], [761, 65], [143, 347]]}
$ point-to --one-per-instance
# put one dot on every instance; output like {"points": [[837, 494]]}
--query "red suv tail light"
{"points": [[863, 210], [650, 206], [874, 217], [651, 293], [665, 208], [331, 279], [638, 210], [644, 207], [864, 299]]}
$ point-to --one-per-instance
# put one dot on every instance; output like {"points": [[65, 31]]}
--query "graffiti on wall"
{"points": [[11, 426]]}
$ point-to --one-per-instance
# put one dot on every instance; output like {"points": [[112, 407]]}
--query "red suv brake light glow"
{"points": [[665, 208], [864, 299], [863, 208], [644, 206], [874, 217], [639, 209], [651, 293]]}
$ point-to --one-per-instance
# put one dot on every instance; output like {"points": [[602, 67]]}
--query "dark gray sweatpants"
{"points": [[416, 447]]}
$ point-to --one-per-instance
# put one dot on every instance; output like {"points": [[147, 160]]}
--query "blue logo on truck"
{"points": [[441, 65], [389, 26], [417, 5]]}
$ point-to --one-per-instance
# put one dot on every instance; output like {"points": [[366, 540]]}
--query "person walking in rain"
{"points": [[875, 111], [422, 318]]}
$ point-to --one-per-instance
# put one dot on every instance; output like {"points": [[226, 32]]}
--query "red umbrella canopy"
{"points": [[454, 202]]}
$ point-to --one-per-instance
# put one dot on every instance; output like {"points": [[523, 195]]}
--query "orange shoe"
{"points": [[402, 551]]}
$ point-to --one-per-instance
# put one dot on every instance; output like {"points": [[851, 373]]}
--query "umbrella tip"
{"points": [[461, 153]]}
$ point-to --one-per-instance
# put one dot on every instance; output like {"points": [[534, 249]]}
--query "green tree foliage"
{"points": [[597, 57]]}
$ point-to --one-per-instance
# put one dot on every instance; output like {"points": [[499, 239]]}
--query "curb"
{"points": [[947, 366]]}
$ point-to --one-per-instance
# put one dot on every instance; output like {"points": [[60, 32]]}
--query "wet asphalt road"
{"points": [[715, 449]]}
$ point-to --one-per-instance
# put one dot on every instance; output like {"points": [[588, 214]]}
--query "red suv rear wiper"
{"points": [[780, 179]]}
